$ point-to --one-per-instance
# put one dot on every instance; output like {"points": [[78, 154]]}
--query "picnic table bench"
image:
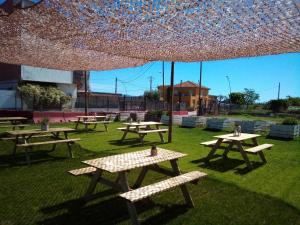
{"points": [[21, 139], [12, 122], [92, 120], [123, 163], [237, 141], [142, 129]]}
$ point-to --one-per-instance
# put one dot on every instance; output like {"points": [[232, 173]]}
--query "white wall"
{"points": [[8, 100], [30, 73]]}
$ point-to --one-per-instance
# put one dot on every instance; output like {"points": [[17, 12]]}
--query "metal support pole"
{"points": [[200, 92], [85, 94], [163, 80], [171, 104]]}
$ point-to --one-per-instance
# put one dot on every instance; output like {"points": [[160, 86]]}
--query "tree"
{"points": [[280, 105], [40, 97], [250, 96], [237, 98], [151, 95], [293, 101]]}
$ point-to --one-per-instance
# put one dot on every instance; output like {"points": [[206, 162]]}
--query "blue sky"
{"points": [[259, 73]]}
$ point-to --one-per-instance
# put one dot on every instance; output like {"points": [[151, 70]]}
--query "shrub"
{"points": [[290, 121], [280, 105]]}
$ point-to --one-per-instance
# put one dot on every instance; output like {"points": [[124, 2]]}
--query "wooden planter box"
{"points": [[284, 131], [252, 127], [176, 119], [218, 124], [193, 121]]}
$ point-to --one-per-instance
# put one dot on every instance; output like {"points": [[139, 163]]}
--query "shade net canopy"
{"points": [[103, 35]]}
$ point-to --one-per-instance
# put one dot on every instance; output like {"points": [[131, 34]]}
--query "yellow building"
{"points": [[187, 92]]}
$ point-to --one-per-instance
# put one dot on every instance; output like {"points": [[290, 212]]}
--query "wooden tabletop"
{"points": [[90, 117], [12, 118], [128, 161], [243, 136], [38, 131], [143, 123]]}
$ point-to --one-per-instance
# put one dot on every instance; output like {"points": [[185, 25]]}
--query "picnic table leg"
{"points": [[184, 190], [92, 184], [27, 155], [213, 150], [15, 147], [255, 142], [130, 206], [244, 154], [261, 154], [227, 150], [105, 126], [160, 134], [124, 135], [77, 123], [140, 178], [69, 145], [141, 136]]}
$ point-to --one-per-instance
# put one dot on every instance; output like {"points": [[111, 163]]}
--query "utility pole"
{"points": [[151, 79], [171, 104], [200, 92], [229, 92], [278, 91], [116, 86], [163, 80], [85, 94]]}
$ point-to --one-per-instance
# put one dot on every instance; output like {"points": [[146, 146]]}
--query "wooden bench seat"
{"points": [[48, 142], [83, 171], [152, 189], [14, 125], [34, 136], [152, 131], [95, 122], [213, 142], [258, 148], [133, 127]]}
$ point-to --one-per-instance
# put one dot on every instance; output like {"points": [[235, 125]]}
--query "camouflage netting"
{"points": [[101, 35]]}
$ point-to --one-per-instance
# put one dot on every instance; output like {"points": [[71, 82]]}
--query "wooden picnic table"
{"points": [[121, 164], [91, 120], [238, 141], [12, 122], [21, 138], [142, 129]]}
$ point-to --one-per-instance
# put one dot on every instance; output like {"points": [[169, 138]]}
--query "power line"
{"points": [[128, 81]]}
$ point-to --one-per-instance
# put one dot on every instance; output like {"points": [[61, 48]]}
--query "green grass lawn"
{"points": [[44, 193]]}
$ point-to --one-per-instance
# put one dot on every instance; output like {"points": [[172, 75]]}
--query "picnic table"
{"points": [[12, 122], [142, 129], [92, 120], [239, 142], [21, 138], [121, 164]]}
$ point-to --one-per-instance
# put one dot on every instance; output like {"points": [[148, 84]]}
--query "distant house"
{"points": [[12, 76], [187, 92]]}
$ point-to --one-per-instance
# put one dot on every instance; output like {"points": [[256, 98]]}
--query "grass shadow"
{"points": [[134, 142], [98, 213], [222, 164], [36, 157], [279, 138], [245, 170]]}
